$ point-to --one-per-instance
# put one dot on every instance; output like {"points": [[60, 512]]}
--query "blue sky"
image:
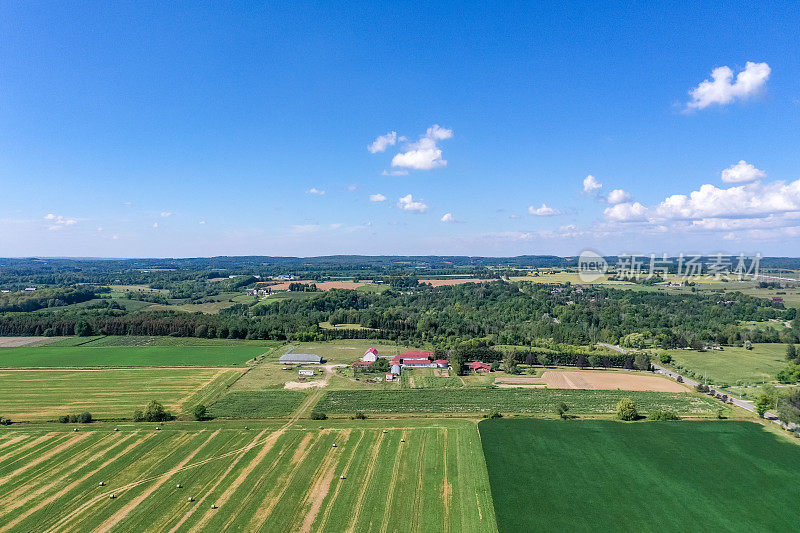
{"points": [[195, 129]]}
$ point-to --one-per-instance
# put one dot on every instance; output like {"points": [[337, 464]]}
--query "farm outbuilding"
{"points": [[300, 359], [395, 370], [370, 356], [480, 366]]}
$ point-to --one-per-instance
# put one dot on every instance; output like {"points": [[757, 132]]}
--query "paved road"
{"points": [[692, 383]]}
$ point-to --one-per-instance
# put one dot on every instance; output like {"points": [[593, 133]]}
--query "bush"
{"points": [[495, 414], [641, 361], [663, 415], [359, 415], [85, 418], [562, 411], [680, 379], [665, 358], [318, 415], [200, 412], [154, 412], [64, 419], [626, 410], [5, 421]]}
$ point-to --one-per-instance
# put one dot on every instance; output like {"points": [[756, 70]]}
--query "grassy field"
{"points": [[257, 404], [509, 401], [645, 476], [267, 478], [90, 355], [734, 365], [114, 393]]}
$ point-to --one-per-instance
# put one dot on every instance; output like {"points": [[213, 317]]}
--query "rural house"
{"points": [[370, 356], [480, 366]]}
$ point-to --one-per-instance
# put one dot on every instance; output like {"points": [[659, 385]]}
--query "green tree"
{"points": [[85, 417], [200, 412], [641, 361], [791, 352], [764, 402], [789, 407], [561, 410], [626, 410], [543, 359]]}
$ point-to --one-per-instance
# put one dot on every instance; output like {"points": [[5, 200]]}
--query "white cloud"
{"points": [[448, 217], [591, 185], [618, 196], [722, 89], [407, 203], [424, 154], [752, 200], [742, 172], [314, 190], [543, 211], [626, 212], [352, 187], [377, 197], [166, 214], [59, 221], [155, 225], [381, 143], [394, 173], [202, 222]]}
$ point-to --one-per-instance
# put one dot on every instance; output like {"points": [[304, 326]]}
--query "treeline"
{"points": [[500, 313], [25, 301]]}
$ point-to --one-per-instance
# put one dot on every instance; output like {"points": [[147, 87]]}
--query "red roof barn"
{"points": [[480, 366]]}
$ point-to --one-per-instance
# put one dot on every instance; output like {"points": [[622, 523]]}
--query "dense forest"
{"points": [[495, 313]]}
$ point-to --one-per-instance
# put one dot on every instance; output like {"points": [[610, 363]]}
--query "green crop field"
{"points": [[268, 478], [257, 404], [89, 355], [110, 393], [645, 476], [509, 401], [733, 365]]}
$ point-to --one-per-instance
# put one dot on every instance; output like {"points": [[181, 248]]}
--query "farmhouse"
{"points": [[370, 355], [300, 359], [480, 366]]}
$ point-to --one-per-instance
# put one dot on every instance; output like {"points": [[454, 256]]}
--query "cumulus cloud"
{"points": [[424, 154], [314, 190], [394, 173], [591, 185], [165, 214], [448, 217], [753, 200], [155, 225], [407, 203], [543, 211], [742, 172], [377, 197], [626, 212], [58, 221], [382, 142], [721, 89], [618, 196]]}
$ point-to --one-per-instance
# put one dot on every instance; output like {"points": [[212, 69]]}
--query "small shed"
{"points": [[389, 376], [300, 359], [395, 370]]}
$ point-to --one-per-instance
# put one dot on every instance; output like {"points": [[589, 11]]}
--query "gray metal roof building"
{"points": [[300, 358]]}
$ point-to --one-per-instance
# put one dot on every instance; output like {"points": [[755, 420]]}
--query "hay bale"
{"points": [[190, 499], [213, 505], [342, 477], [112, 496], [116, 429], [76, 429], [385, 431], [102, 483], [333, 445], [178, 486]]}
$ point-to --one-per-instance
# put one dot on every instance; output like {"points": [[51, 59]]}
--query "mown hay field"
{"points": [[267, 477], [640, 477], [111, 356], [257, 404], [36, 395], [510, 401]]}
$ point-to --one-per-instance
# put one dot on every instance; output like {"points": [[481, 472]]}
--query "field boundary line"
{"points": [[47, 501], [370, 469], [121, 514]]}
